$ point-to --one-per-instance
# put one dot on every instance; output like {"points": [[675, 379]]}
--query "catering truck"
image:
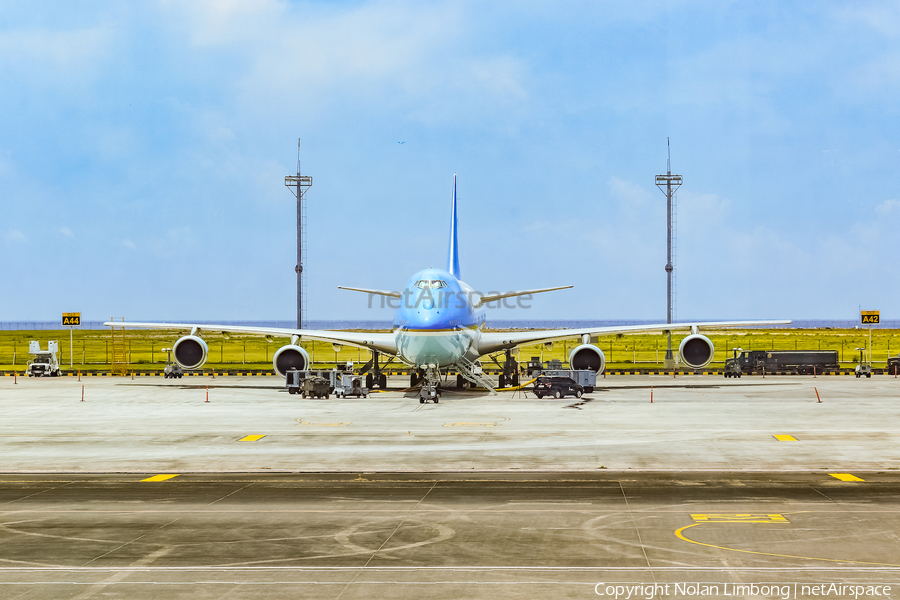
{"points": [[44, 362], [804, 362]]}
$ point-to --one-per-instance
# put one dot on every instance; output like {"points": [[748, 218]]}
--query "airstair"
{"points": [[469, 370]]}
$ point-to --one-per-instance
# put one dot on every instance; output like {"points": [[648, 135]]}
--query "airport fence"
{"points": [[92, 348]]}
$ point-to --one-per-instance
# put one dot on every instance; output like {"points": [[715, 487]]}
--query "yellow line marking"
{"points": [[739, 518], [469, 424], [680, 535], [160, 477], [784, 438], [251, 438], [846, 477]]}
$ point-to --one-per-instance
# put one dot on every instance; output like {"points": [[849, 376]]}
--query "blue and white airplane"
{"points": [[439, 326]]}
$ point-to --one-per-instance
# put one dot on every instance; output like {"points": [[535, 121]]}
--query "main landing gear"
{"points": [[375, 378]]}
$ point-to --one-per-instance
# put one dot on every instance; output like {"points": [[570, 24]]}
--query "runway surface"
{"points": [[439, 535]]}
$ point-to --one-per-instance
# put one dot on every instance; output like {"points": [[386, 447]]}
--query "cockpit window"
{"points": [[431, 283]]}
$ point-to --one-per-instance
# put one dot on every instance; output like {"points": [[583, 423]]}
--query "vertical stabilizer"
{"points": [[453, 252]]}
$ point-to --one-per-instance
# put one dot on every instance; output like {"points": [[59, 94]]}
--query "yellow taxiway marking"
{"points": [[679, 533], [251, 438], [784, 438], [160, 477], [470, 424], [846, 477], [302, 423], [739, 518]]}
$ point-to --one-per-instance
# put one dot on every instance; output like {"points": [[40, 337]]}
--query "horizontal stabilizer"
{"points": [[486, 299], [376, 292]]}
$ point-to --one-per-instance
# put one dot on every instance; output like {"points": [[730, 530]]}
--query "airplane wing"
{"points": [[489, 299], [382, 342], [376, 292], [493, 341]]}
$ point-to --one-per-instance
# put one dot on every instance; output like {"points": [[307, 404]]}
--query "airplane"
{"points": [[439, 325]]}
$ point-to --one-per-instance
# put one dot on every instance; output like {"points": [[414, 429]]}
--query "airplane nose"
{"points": [[428, 304]]}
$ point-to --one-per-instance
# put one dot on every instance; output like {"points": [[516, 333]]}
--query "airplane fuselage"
{"points": [[437, 322]]}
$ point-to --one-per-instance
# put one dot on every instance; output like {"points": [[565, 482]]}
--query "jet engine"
{"points": [[587, 356], [190, 352], [696, 351], [290, 357]]}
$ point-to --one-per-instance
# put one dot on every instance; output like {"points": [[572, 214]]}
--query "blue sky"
{"points": [[143, 149]]}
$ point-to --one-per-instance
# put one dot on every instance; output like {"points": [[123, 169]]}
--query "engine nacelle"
{"points": [[696, 351], [290, 357], [190, 352], [587, 356]]}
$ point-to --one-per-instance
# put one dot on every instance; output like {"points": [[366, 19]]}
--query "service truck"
{"points": [[804, 362], [44, 362], [893, 365]]}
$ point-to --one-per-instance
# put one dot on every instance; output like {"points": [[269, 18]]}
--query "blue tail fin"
{"points": [[453, 252]]}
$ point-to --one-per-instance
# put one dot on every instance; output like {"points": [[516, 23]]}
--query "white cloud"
{"points": [[14, 236], [879, 16], [129, 244], [46, 59], [887, 207], [627, 192], [66, 232], [385, 55], [176, 243]]}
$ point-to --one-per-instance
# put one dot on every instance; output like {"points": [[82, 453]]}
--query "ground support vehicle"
{"points": [[429, 393], [893, 365], [558, 387], [312, 383], [863, 369], [351, 385], [44, 363], [534, 366], [583, 377], [293, 379], [316, 387], [732, 369], [173, 371], [804, 362]]}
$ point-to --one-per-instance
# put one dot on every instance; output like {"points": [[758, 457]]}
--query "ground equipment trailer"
{"points": [[315, 383], [315, 387], [804, 362], [351, 385], [44, 363]]}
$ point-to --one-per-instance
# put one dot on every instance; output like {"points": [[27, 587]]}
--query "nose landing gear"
{"points": [[431, 391]]}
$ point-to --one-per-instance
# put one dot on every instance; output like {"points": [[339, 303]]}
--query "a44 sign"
{"points": [[869, 317], [71, 318]]}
